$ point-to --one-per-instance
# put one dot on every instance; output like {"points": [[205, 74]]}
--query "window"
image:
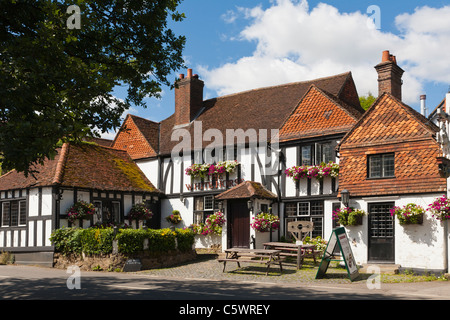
{"points": [[317, 153], [381, 165], [306, 211], [325, 152], [106, 211], [14, 213], [306, 156], [203, 207]]}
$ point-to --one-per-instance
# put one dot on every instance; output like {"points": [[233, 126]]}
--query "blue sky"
{"points": [[240, 45]]}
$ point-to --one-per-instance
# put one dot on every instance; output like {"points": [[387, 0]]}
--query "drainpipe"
{"points": [[253, 242]]}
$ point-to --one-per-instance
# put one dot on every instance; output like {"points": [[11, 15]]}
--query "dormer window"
{"points": [[381, 165]]}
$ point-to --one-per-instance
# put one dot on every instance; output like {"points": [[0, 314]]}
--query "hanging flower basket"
{"points": [[175, 217], [409, 214], [80, 210], [264, 222], [440, 208], [349, 216], [213, 225], [140, 212]]}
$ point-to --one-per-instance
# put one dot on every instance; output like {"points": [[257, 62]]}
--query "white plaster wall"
{"points": [[47, 201], [127, 204], [66, 201], [420, 246], [177, 161], [186, 211], [151, 170], [291, 159], [187, 162], [165, 164], [31, 233], [33, 203], [245, 160], [48, 232], [416, 246]]}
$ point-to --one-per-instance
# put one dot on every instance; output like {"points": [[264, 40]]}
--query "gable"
{"points": [[135, 137], [318, 114], [388, 120]]}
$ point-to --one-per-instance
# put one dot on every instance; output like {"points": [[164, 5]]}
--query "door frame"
{"points": [[369, 205], [230, 221]]}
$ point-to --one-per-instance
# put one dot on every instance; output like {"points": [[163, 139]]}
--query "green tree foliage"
{"points": [[367, 101], [56, 81]]}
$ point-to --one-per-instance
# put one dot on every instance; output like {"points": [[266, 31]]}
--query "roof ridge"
{"points": [[280, 85], [59, 171]]}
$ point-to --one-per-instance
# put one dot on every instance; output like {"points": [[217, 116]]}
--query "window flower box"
{"points": [[206, 169], [318, 172]]}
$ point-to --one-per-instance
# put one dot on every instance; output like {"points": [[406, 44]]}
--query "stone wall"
{"points": [[114, 262]]}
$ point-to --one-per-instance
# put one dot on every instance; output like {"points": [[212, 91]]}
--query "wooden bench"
{"points": [[294, 250], [263, 256]]}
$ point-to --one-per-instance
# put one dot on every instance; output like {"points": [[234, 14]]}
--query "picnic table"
{"points": [[300, 251], [264, 256]]}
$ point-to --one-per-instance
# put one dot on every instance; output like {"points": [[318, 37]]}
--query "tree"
{"points": [[58, 69], [367, 101]]}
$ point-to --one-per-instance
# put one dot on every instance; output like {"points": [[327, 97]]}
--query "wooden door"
{"points": [[239, 224]]}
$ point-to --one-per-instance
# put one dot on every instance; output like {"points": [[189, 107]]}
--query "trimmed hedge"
{"points": [[100, 240]]}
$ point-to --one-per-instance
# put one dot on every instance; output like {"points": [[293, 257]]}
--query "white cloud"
{"points": [[295, 42]]}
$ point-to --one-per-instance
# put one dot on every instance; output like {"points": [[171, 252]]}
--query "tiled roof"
{"points": [[390, 126], [264, 108], [319, 113], [87, 166], [138, 136], [246, 190], [389, 120]]}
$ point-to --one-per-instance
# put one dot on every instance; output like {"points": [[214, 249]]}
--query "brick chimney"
{"points": [[188, 98], [389, 76]]}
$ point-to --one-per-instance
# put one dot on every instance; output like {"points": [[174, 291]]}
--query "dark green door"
{"points": [[381, 233]]}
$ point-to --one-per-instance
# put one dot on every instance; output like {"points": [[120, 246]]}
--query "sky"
{"points": [[237, 45]]}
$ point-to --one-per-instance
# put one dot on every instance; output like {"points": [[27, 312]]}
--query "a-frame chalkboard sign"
{"points": [[339, 240]]}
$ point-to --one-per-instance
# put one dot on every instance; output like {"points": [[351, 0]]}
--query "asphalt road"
{"points": [[29, 283]]}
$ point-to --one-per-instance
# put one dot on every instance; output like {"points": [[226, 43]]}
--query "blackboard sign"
{"points": [[338, 240], [132, 265]]}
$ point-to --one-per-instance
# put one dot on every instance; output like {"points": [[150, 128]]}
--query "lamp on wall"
{"points": [[250, 205], [345, 197], [182, 199]]}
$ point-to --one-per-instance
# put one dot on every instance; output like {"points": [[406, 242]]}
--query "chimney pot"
{"points": [[181, 76], [385, 56], [389, 76], [189, 73], [423, 107]]}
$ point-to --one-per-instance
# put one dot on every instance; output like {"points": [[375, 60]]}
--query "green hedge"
{"points": [[99, 240]]}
